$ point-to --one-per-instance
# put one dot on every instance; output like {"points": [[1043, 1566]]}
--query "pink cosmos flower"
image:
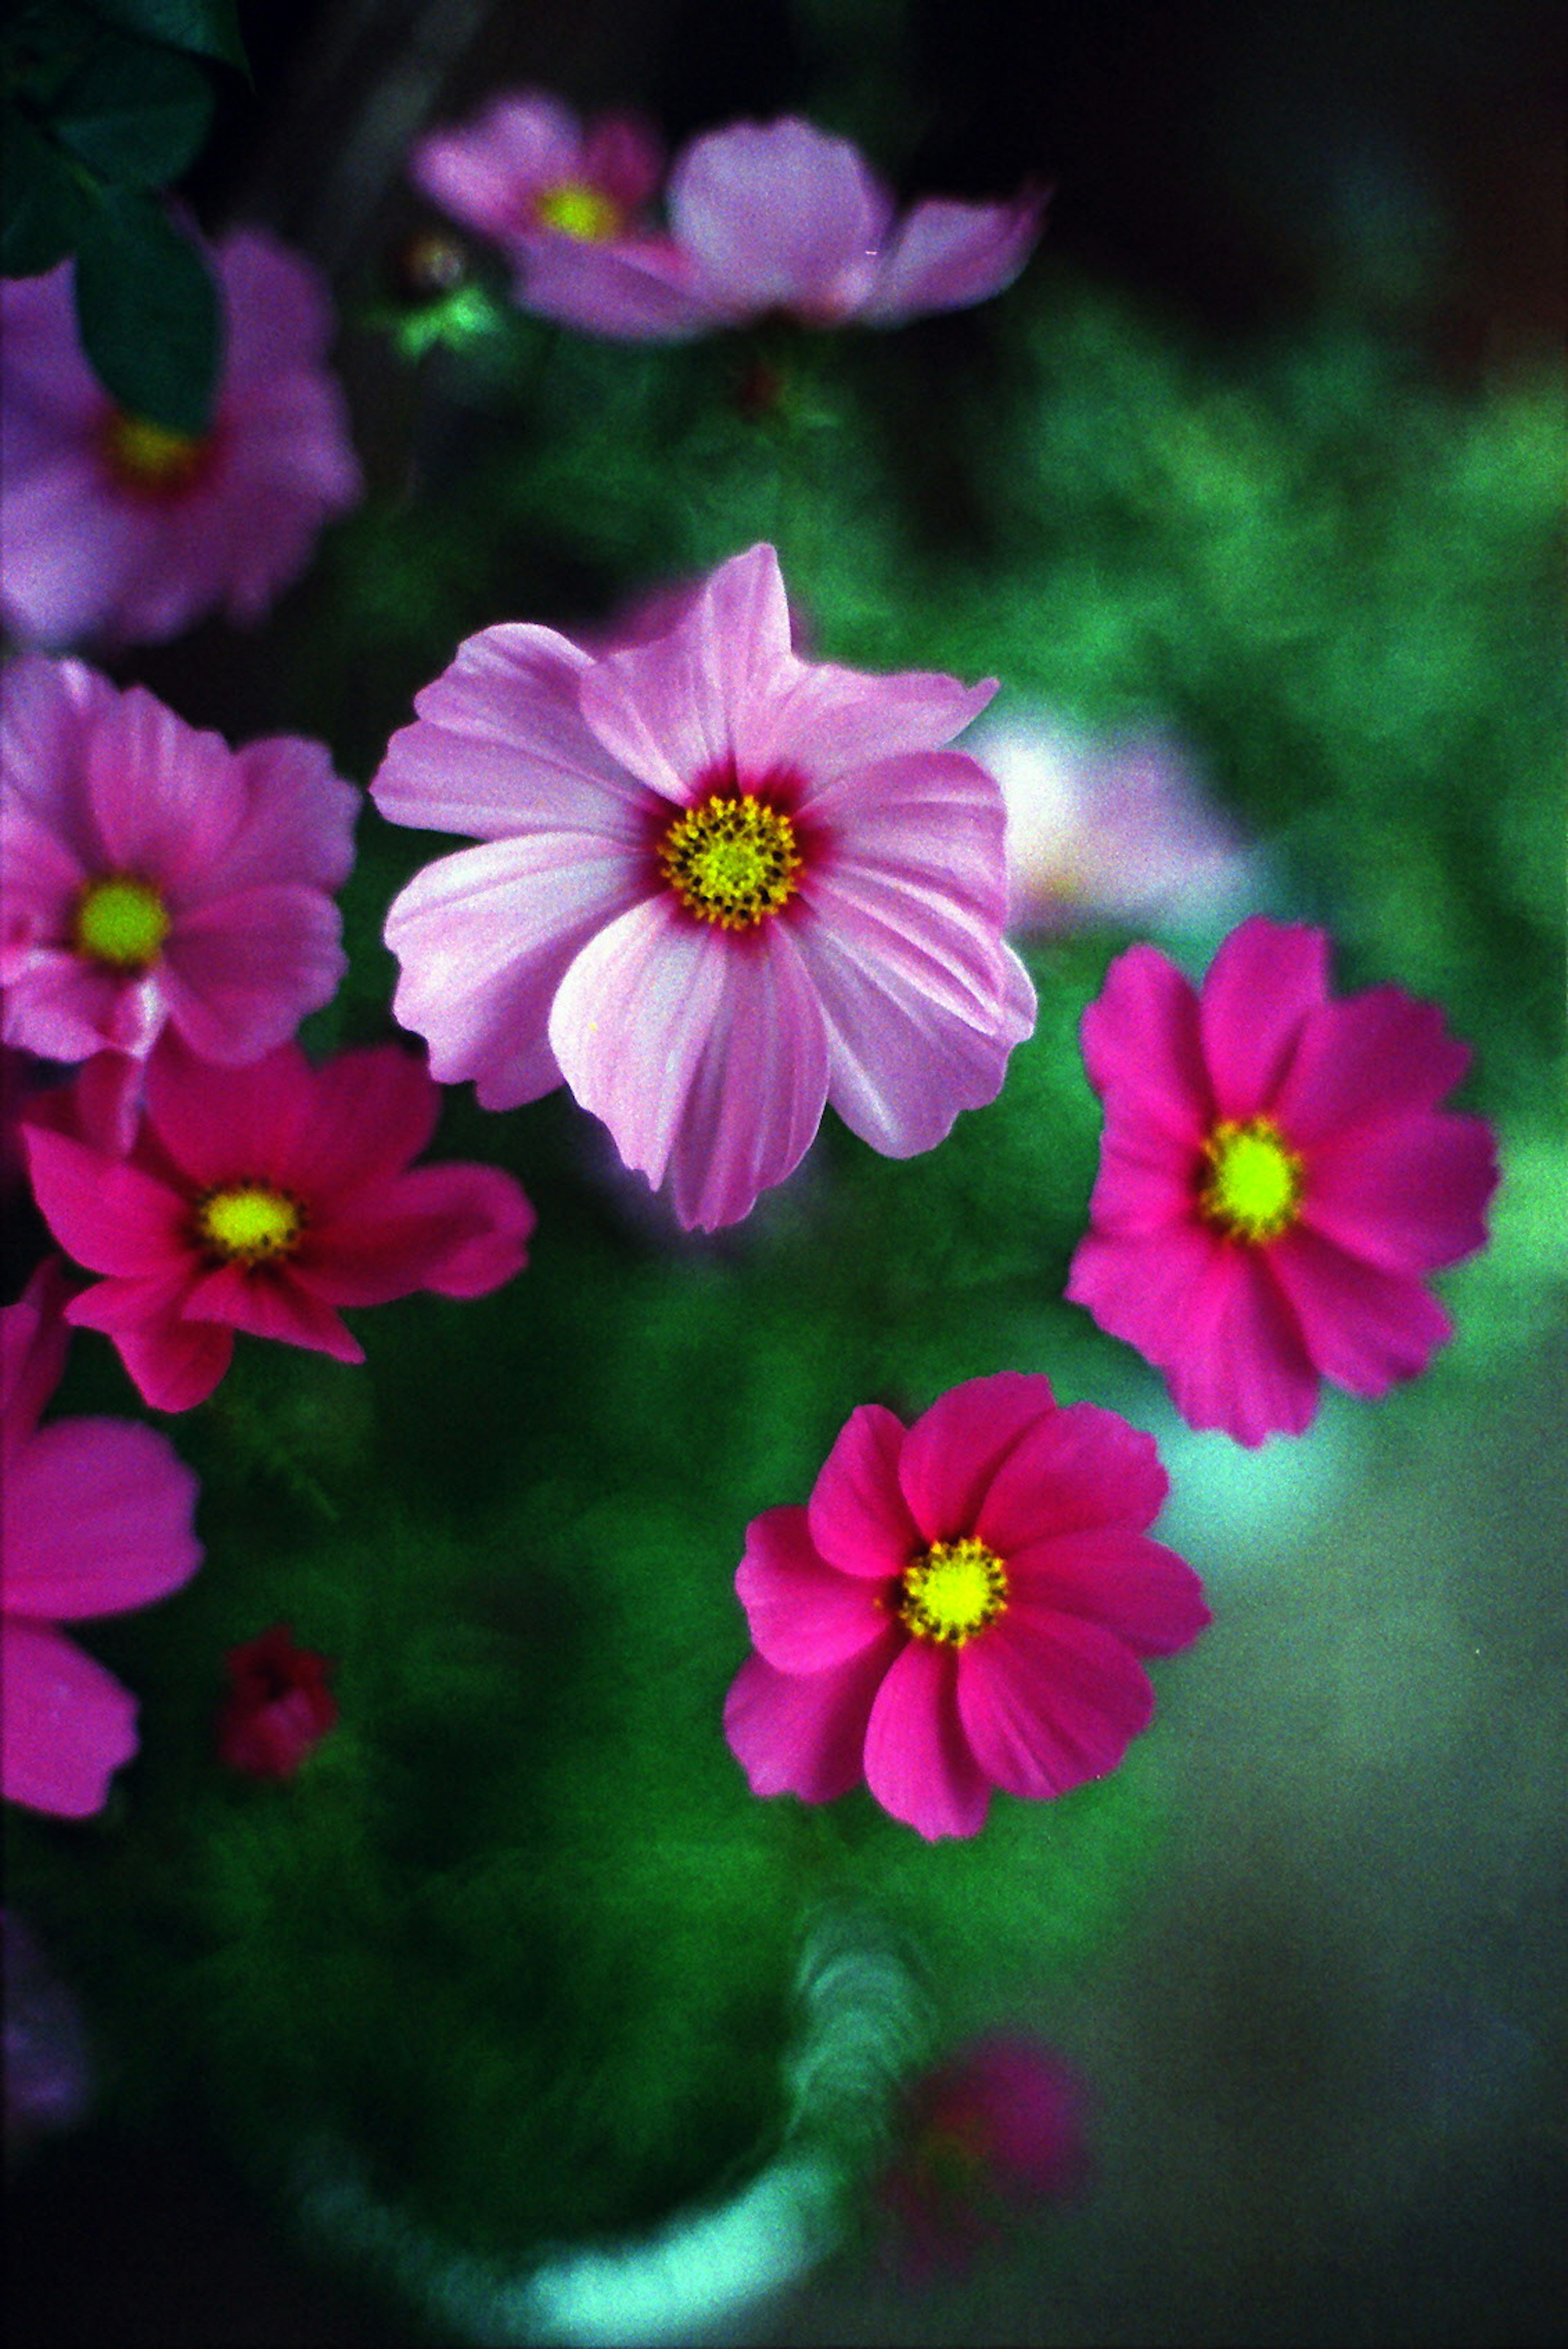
{"points": [[152, 877], [98, 1519], [718, 886], [263, 1199], [1102, 831], [1276, 1179], [961, 1604], [278, 1708], [525, 172], [994, 2131], [118, 530]]}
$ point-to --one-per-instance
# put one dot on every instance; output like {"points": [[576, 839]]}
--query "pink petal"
{"points": [[362, 1116], [1142, 1049], [224, 1125], [1148, 1179], [34, 1342], [299, 817], [70, 551], [68, 1724], [622, 157], [1049, 1700], [278, 309], [485, 937], [488, 171], [98, 1519], [47, 709], [642, 289], [779, 216], [109, 1215], [859, 1518], [265, 1303], [1363, 1328], [1142, 1592], [1074, 1468], [928, 823], [952, 1452], [457, 1229], [240, 973], [1241, 1364], [1369, 1056], [831, 722], [1265, 981], [945, 255], [803, 1616], [167, 801], [805, 1732], [918, 1762], [175, 1364], [1407, 1194]]}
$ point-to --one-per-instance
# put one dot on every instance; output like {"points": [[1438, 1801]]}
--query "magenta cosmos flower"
{"points": [[152, 876], [98, 1519], [118, 530], [263, 1199], [1276, 1179], [960, 1604], [718, 886]]}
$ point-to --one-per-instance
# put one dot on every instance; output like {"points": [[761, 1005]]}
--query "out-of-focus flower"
{"points": [[117, 530], [763, 218], [152, 876], [1276, 1179], [718, 886], [1104, 831], [278, 1708], [263, 1199], [98, 1519], [961, 1604], [48, 2080], [995, 2132]]}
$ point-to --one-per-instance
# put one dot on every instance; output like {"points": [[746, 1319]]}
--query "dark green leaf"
{"points": [[149, 313], [41, 200], [134, 112], [210, 29]]}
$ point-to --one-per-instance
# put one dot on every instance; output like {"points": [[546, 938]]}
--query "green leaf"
{"points": [[41, 200], [209, 28], [135, 113], [149, 313]]}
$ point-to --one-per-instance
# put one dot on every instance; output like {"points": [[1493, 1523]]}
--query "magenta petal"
{"points": [[805, 1732], [68, 1724], [221, 1125], [268, 1304], [1240, 1364], [361, 1116], [918, 1762], [1408, 1195], [457, 1229], [1049, 1700], [175, 1364], [1364, 1328], [1142, 1591], [1148, 1181], [945, 254], [803, 1616], [34, 1342], [954, 1450], [1142, 1047], [1073, 1468], [1366, 1058], [240, 973], [1265, 981], [110, 1216], [859, 1518], [97, 1517]]}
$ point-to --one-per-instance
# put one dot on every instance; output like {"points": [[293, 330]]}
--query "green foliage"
{"points": [[147, 311]]}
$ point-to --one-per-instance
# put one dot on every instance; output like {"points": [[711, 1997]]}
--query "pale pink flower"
{"points": [[117, 530], [718, 886], [98, 1519], [962, 1604], [524, 171], [151, 877], [1276, 1179], [1104, 830]]}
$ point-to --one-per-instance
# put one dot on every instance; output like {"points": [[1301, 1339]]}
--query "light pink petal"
{"points": [[457, 1229], [1407, 1194], [953, 1452], [805, 1732], [240, 973], [265, 1303], [70, 551], [48, 709], [1364, 1328], [68, 1724], [299, 817], [33, 1341], [1073, 1468], [1263, 984], [637, 289], [830, 723], [485, 937], [167, 801], [1049, 1700], [803, 1616], [1142, 1047], [1366, 1058], [98, 1519], [674, 710], [945, 254], [779, 216], [919, 1764], [930, 824], [500, 747], [859, 1517], [109, 1215], [1142, 1592]]}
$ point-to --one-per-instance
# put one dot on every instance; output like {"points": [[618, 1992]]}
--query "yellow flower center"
{"points": [[1253, 1186], [149, 457], [954, 1591], [574, 209], [120, 921], [731, 861], [248, 1222]]}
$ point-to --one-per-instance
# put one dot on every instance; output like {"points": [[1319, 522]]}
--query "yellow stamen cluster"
{"points": [[120, 921], [248, 1223], [573, 207], [1253, 1186], [954, 1591], [731, 861], [149, 457]]}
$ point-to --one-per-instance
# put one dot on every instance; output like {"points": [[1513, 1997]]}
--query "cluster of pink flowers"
{"points": [[763, 218]]}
